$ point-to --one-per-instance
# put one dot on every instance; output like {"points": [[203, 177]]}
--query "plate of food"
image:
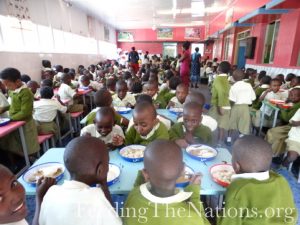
{"points": [[287, 105], [133, 153], [276, 101], [201, 152], [221, 174], [4, 121], [123, 110], [177, 111], [52, 169], [113, 174], [184, 179]]}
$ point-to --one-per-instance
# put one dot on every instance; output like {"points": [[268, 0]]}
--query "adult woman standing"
{"points": [[196, 61], [185, 61]]}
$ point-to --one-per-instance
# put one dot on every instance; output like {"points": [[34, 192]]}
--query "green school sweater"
{"points": [[91, 116], [161, 101], [287, 114], [189, 212], [259, 197], [22, 105], [133, 137], [220, 91], [168, 96], [256, 103], [203, 133]]}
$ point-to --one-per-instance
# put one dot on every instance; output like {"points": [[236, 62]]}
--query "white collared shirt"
{"points": [[261, 176], [128, 99], [150, 134], [294, 133], [207, 121], [45, 110], [21, 222], [176, 102], [280, 95], [179, 196], [162, 119], [66, 93], [154, 97], [91, 129], [75, 203], [242, 93], [3, 103]]}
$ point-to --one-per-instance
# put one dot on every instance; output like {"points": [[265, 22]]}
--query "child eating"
{"points": [[147, 127], [151, 88], [163, 165], [75, 201], [178, 100], [190, 131], [122, 98], [255, 191], [105, 129]]}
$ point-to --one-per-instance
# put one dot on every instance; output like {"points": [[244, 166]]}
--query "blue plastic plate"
{"points": [[176, 111], [47, 169], [123, 110], [4, 121], [184, 180], [113, 174], [133, 153], [201, 152]]}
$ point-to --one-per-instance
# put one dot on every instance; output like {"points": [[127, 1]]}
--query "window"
{"points": [[270, 42], [226, 47]]}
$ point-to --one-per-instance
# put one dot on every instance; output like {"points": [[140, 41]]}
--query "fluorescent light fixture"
{"points": [[192, 24], [198, 7], [174, 8]]}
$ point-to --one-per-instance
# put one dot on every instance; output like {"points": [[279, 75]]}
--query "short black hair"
{"points": [[133, 48], [111, 82], [174, 82], [47, 83], [25, 78], [266, 80], [144, 98], [137, 87], [197, 49], [263, 73], [10, 74], [59, 68], [224, 67], [46, 92], [101, 97], [186, 45], [66, 70], [126, 75], [46, 63], [106, 111], [168, 75], [290, 76], [276, 80]]}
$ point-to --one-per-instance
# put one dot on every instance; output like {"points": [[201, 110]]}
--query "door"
{"points": [[241, 61], [170, 50]]}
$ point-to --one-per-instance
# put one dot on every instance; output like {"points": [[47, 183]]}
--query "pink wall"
{"points": [[151, 47]]}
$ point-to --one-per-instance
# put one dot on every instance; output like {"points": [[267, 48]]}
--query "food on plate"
{"points": [[223, 175], [133, 153], [111, 175], [50, 171], [202, 152]]}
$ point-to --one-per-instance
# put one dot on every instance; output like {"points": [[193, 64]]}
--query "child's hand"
{"points": [[189, 138], [87, 134], [117, 140], [220, 110], [196, 179], [182, 143], [43, 186]]}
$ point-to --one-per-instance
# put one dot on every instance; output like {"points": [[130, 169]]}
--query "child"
{"points": [[277, 135], [21, 107], [255, 191], [220, 109], [46, 83], [75, 201], [102, 98], [147, 127], [168, 75], [178, 100], [45, 111], [4, 106], [111, 85], [242, 95], [264, 85], [163, 165], [190, 131], [293, 141], [35, 89], [122, 98], [13, 206], [66, 93], [105, 129], [151, 88], [295, 82], [274, 91], [171, 92]]}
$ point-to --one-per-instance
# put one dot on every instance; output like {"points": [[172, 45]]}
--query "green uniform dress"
{"points": [[202, 133], [160, 101], [220, 98], [21, 109], [133, 137], [177, 210], [168, 96], [267, 202]]}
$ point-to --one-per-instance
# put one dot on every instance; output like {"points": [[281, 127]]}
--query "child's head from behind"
{"points": [[295, 95], [251, 154], [46, 83], [66, 78], [275, 85], [289, 77], [12, 198], [174, 82], [89, 166], [192, 115], [104, 120], [295, 82], [33, 86], [195, 97], [46, 92], [238, 75], [111, 84], [265, 80], [181, 92], [102, 98], [144, 98], [224, 67], [121, 89], [151, 88], [137, 87], [85, 81], [163, 165], [144, 117], [11, 78], [25, 78]]}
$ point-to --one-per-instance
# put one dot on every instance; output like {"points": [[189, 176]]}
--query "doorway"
{"points": [[241, 61], [170, 50]]}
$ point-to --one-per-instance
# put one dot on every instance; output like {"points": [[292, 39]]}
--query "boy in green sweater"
{"points": [[147, 127], [256, 195], [220, 109], [191, 131], [151, 88], [161, 201]]}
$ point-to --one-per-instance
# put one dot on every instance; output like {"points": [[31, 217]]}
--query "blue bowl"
{"points": [[123, 110], [115, 172], [4, 121], [132, 148], [188, 170], [209, 153]]}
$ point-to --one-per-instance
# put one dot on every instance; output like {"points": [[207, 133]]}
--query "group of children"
{"points": [[85, 198]]}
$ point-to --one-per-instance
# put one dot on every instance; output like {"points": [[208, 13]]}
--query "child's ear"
{"points": [[145, 175], [237, 167], [101, 172]]}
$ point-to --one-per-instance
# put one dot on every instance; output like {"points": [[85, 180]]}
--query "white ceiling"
{"points": [[131, 14]]}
